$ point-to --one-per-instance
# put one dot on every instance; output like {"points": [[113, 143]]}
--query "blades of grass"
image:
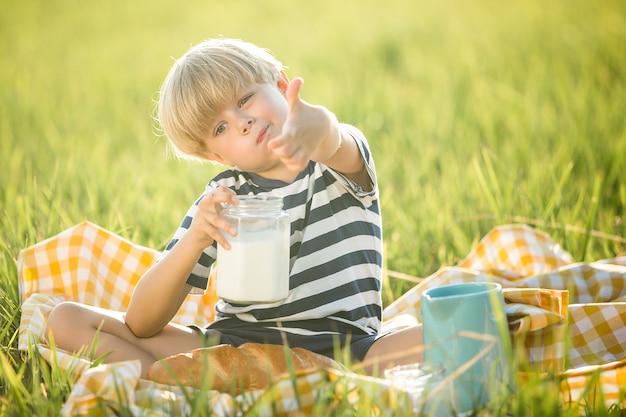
{"points": [[593, 213], [13, 381], [291, 368], [557, 194], [9, 312], [488, 183], [55, 385], [92, 350], [46, 395]]}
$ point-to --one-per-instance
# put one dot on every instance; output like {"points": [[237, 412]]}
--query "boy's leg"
{"points": [[75, 327], [397, 348]]}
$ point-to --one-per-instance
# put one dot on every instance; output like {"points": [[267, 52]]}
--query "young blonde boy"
{"points": [[230, 102]]}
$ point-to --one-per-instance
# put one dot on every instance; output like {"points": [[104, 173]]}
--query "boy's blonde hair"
{"points": [[201, 82]]}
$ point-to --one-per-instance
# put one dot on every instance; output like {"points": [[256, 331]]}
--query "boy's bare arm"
{"points": [[160, 292], [348, 160]]}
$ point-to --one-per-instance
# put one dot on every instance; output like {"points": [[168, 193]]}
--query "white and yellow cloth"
{"points": [[558, 311]]}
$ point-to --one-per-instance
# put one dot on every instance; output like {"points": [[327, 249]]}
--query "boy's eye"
{"points": [[245, 99], [220, 129]]}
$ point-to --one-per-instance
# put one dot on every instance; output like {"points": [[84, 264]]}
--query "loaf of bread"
{"points": [[234, 370]]}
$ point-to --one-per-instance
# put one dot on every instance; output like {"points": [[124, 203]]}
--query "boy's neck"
{"points": [[279, 173], [285, 176]]}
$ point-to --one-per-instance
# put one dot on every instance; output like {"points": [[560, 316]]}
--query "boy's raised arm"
{"points": [[312, 133]]}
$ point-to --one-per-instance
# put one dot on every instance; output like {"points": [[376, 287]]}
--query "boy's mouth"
{"points": [[262, 135]]}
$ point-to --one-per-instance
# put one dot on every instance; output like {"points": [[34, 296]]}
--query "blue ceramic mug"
{"points": [[465, 328]]}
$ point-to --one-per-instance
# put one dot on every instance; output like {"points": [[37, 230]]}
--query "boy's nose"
{"points": [[247, 125]]}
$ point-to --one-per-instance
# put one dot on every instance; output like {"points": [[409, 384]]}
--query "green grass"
{"points": [[478, 113]]}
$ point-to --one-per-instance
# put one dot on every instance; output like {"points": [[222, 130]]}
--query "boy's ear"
{"points": [[283, 82], [212, 156]]}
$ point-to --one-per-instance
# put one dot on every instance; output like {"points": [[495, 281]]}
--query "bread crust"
{"points": [[234, 370]]}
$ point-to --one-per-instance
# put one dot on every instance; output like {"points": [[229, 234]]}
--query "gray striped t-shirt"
{"points": [[336, 251]]}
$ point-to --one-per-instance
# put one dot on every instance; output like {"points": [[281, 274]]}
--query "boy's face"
{"points": [[239, 134]]}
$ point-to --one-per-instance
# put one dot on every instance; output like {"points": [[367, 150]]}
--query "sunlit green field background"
{"points": [[479, 113]]}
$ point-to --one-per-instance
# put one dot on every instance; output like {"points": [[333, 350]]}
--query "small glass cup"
{"points": [[416, 380]]}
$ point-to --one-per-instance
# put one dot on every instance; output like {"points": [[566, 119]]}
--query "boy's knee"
{"points": [[61, 319]]}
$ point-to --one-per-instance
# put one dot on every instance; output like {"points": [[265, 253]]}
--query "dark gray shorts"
{"points": [[235, 333]]}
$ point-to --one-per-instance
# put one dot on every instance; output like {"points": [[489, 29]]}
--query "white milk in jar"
{"points": [[256, 267]]}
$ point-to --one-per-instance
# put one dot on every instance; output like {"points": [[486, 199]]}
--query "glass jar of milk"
{"points": [[256, 267]]}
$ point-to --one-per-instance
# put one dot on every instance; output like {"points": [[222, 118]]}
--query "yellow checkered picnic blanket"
{"points": [[550, 299]]}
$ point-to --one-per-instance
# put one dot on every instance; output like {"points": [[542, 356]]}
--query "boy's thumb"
{"points": [[293, 91]]}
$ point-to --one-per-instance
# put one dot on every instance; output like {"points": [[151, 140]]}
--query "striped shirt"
{"points": [[335, 249]]}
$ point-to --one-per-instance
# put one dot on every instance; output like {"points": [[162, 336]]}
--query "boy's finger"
{"points": [[219, 196], [293, 91], [281, 141]]}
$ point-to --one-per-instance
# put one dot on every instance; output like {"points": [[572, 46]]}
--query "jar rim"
{"points": [[259, 197], [256, 201]]}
